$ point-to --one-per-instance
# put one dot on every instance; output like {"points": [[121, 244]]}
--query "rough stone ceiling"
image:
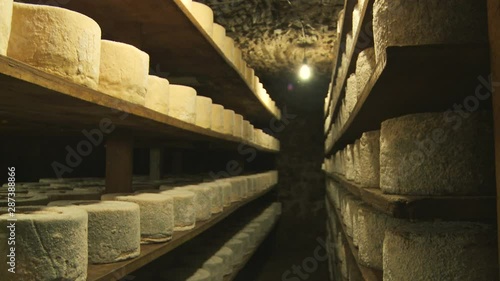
{"points": [[273, 34]]}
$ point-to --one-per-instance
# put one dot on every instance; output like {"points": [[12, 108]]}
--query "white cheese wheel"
{"points": [[204, 15], [250, 77], [228, 48], [124, 72], [369, 160], [51, 243], [438, 154], [365, 66], [247, 131], [182, 103], [55, 40], [203, 201], [114, 229], [227, 189], [441, 251], [216, 196], [157, 214], [349, 161], [5, 23], [228, 119], [238, 126], [203, 112], [247, 243], [403, 23], [184, 209], [238, 250], [351, 95], [372, 226], [238, 61], [236, 183], [218, 118], [219, 35], [188, 4], [158, 93], [227, 255]]}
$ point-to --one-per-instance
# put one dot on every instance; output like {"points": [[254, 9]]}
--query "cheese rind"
{"points": [[182, 103], [228, 117], [204, 15], [204, 112], [217, 118], [157, 95], [55, 40], [184, 209], [5, 23]]}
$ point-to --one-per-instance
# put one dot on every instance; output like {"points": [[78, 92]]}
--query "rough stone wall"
{"points": [[273, 34]]}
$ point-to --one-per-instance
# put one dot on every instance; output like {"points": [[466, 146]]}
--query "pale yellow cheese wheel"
{"points": [[218, 118], [204, 15], [182, 103], [228, 117], [5, 22], [158, 94], [203, 112]]}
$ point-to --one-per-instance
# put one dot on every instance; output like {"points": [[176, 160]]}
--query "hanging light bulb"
{"points": [[305, 71]]}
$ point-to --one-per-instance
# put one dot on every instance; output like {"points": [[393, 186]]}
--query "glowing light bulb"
{"points": [[305, 72]]}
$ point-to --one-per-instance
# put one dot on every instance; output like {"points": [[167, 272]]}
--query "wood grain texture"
{"points": [[416, 79], [34, 102], [494, 34], [178, 47], [116, 271], [448, 208]]}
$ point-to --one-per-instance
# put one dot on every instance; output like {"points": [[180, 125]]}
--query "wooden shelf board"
{"points": [[34, 102], [451, 208], [179, 48], [416, 79], [150, 252], [246, 259], [368, 274]]}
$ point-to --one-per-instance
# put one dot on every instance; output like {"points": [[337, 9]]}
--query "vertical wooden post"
{"points": [[494, 33], [155, 163], [119, 164]]}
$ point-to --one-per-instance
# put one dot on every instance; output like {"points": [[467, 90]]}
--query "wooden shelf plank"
{"points": [[415, 79], [246, 259], [179, 48], [116, 271], [368, 274], [449, 208], [34, 101]]}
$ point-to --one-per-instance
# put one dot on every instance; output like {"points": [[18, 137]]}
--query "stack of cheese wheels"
{"points": [[185, 274], [203, 200], [219, 35], [218, 118], [114, 229], [5, 23], [158, 93], [437, 154], [203, 112], [54, 40], [238, 126], [400, 23], [204, 16], [42, 234], [228, 121], [156, 215], [441, 251], [182, 103], [184, 208], [372, 226], [365, 66], [124, 72]]}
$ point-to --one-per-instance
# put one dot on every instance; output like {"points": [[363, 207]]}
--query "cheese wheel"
{"points": [[228, 48], [204, 16], [369, 159], [124, 72], [216, 196], [441, 251], [184, 209], [5, 23], [427, 22], [365, 67], [51, 243], [55, 40], [158, 93], [356, 16], [218, 118], [188, 4], [228, 119], [250, 77], [203, 112], [156, 214], [351, 93], [238, 61], [349, 160], [227, 189], [114, 229], [203, 200], [238, 249], [238, 126], [182, 103], [438, 154], [219, 35], [227, 255]]}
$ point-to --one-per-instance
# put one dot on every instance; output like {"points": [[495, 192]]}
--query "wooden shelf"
{"points": [[247, 258], [150, 252], [448, 208], [416, 79], [37, 103], [368, 274], [179, 50]]}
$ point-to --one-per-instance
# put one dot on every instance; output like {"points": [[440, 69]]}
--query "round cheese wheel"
{"points": [[182, 103], [203, 112], [157, 96], [204, 15], [5, 23]]}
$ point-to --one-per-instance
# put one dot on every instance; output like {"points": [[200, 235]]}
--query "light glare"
{"points": [[305, 72]]}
